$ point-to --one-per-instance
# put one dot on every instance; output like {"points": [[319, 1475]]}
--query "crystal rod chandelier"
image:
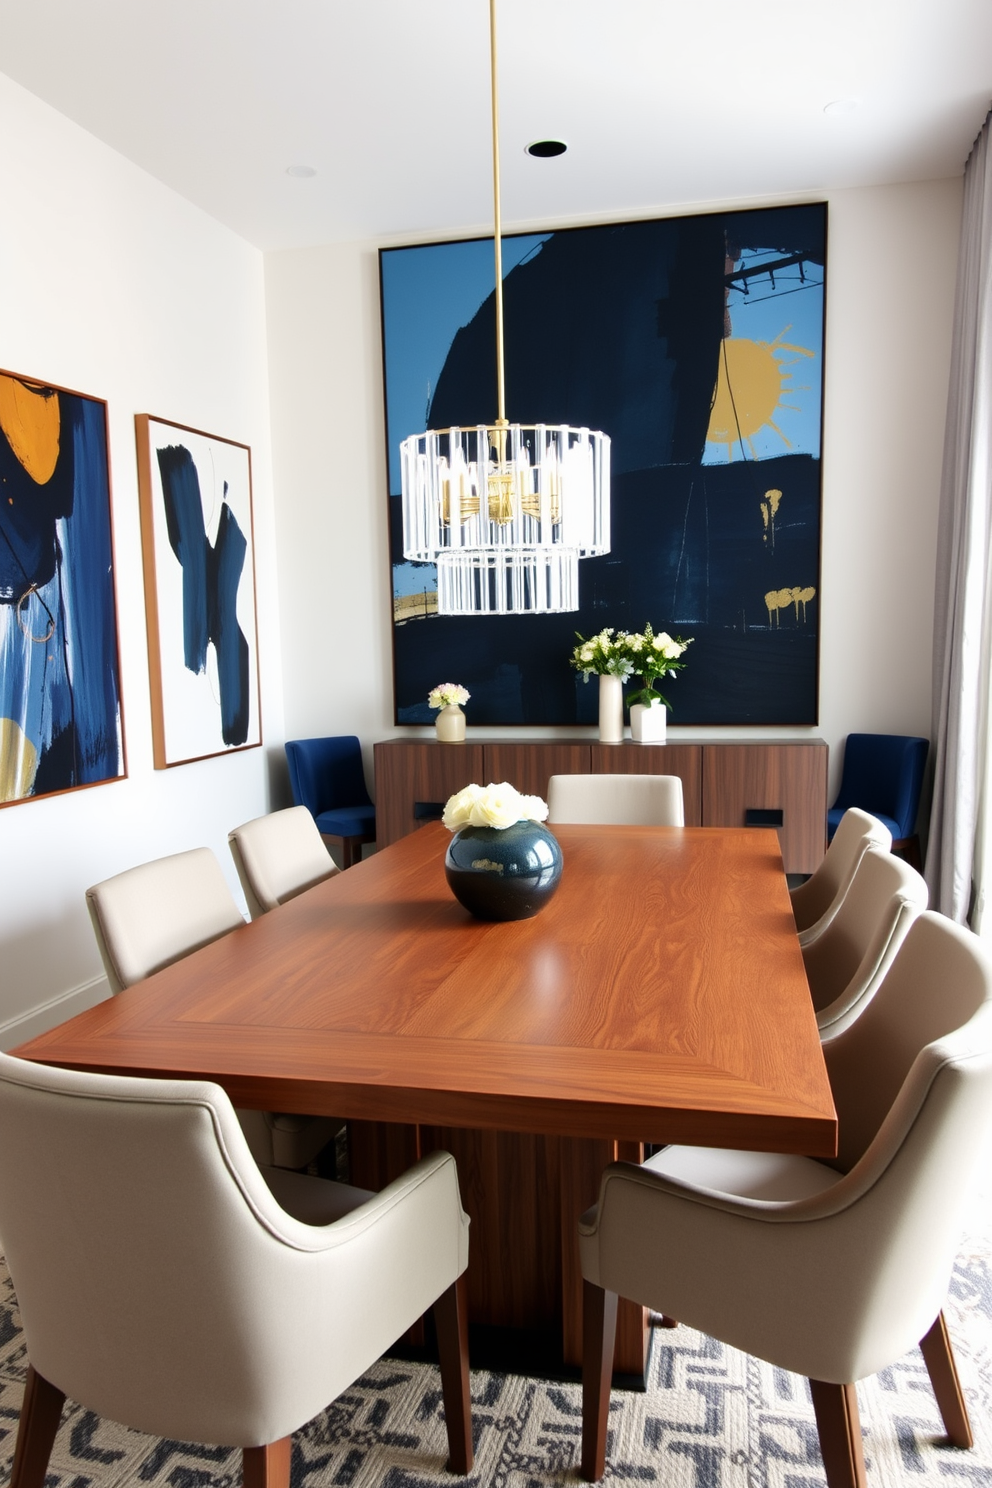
{"points": [[505, 510]]}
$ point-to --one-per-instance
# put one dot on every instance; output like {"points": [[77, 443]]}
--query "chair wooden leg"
{"points": [[939, 1359], [908, 848], [268, 1466], [599, 1329], [837, 1422], [451, 1322], [40, 1416]]}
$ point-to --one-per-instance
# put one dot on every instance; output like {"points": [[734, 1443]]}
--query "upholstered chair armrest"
{"points": [[831, 1286], [340, 1294], [286, 1314], [892, 930]]}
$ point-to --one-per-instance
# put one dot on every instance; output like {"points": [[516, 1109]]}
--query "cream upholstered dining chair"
{"points": [[834, 1269], [815, 902], [166, 1283], [278, 856], [846, 964], [616, 800], [150, 916]]}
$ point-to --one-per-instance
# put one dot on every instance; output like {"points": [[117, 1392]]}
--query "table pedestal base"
{"points": [[524, 1195]]}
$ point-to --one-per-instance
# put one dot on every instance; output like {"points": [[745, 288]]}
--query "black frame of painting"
{"points": [[640, 318]]}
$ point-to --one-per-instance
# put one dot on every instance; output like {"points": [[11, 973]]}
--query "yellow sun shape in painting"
{"points": [[749, 387]]}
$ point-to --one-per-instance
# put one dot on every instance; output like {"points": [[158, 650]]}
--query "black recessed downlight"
{"points": [[546, 149]]}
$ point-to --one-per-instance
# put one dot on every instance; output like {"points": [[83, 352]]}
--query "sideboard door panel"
{"points": [[529, 766], [411, 774], [790, 778]]}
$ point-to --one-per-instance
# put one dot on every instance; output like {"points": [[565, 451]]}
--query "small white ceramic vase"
{"points": [[610, 710], [648, 725], [449, 725]]}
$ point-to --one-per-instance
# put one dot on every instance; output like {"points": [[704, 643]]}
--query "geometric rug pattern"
{"points": [[711, 1418]]}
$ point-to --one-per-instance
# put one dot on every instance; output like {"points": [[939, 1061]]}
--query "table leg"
{"points": [[524, 1195], [509, 1187]]}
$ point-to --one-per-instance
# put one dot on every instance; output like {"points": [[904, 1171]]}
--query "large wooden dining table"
{"points": [[659, 997]]}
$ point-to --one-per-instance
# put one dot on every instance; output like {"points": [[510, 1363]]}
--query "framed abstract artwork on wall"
{"points": [[696, 344], [199, 568], [61, 723]]}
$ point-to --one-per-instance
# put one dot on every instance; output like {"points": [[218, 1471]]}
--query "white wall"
{"points": [[892, 268], [112, 285]]}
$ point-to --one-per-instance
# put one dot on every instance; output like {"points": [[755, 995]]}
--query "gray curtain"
{"points": [[960, 848]]}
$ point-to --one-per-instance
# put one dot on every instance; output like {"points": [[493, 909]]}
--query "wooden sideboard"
{"points": [[780, 783]]}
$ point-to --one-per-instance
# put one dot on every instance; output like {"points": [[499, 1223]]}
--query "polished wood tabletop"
{"points": [[660, 996]]}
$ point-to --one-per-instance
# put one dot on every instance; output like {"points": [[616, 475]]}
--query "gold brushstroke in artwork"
{"points": [[769, 506], [750, 382], [18, 761], [782, 599], [31, 419], [414, 606]]}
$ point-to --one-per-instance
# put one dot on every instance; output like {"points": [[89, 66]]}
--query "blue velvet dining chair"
{"points": [[883, 774], [327, 777]]}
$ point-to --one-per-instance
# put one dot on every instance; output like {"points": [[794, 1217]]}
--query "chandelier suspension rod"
{"points": [[497, 221]]}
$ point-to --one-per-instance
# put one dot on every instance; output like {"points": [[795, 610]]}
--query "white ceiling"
{"points": [[663, 102]]}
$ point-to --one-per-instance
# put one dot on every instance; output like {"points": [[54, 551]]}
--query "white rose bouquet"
{"points": [[652, 656], [603, 655], [491, 806], [447, 694]]}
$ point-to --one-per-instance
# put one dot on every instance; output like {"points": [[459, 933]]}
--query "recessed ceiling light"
{"points": [[301, 172], [840, 108], [546, 149]]}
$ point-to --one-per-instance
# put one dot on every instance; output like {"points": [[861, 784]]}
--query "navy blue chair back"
{"points": [[326, 774], [883, 774], [327, 777]]}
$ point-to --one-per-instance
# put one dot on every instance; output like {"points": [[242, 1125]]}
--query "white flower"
{"points": [[446, 694], [458, 808], [496, 806], [532, 808], [491, 806], [670, 649]]}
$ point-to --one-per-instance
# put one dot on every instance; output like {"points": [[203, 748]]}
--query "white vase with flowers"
{"points": [[448, 698]]}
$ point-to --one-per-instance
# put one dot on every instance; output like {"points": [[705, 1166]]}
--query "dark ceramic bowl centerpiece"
{"points": [[500, 872]]}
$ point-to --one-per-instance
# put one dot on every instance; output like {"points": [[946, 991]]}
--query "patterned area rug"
{"points": [[711, 1418]]}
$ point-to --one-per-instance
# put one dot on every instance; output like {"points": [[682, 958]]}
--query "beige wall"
{"points": [[892, 265]]}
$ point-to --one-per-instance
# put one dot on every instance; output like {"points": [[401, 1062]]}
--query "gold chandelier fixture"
{"points": [[505, 510]]}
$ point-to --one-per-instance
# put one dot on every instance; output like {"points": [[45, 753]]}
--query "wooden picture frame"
{"points": [[197, 538], [61, 714]]}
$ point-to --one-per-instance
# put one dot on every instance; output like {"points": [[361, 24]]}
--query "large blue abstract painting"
{"points": [[696, 343], [196, 523], [60, 702]]}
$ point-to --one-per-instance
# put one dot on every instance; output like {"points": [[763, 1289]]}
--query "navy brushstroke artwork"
{"points": [[60, 716], [697, 344], [211, 575]]}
